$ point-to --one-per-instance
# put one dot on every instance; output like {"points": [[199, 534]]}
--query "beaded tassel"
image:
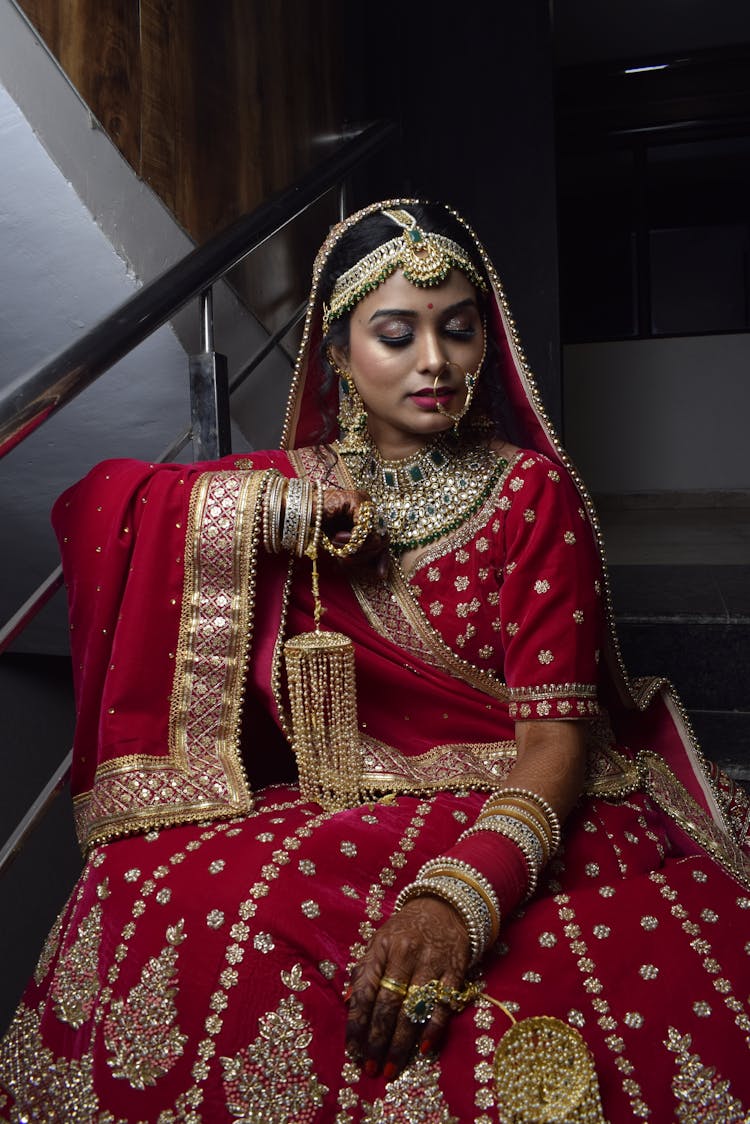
{"points": [[323, 698]]}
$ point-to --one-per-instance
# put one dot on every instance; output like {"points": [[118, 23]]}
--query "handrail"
{"points": [[36, 812], [33, 397], [27, 402]]}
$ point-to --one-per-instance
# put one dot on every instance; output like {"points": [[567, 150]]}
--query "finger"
{"points": [[365, 983], [384, 1022], [436, 1028]]}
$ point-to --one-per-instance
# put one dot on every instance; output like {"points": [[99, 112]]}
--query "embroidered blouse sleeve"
{"points": [[550, 598]]}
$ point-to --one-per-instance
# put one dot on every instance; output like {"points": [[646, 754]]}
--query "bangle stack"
{"points": [[273, 499], [517, 801], [468, 891], [297, 517], [528, 820], [289, 514]]}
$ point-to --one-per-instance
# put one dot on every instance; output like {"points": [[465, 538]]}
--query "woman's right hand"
{"points": [[340, 510]]}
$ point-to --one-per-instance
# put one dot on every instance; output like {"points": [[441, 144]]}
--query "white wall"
{"points": [[660, 415]]}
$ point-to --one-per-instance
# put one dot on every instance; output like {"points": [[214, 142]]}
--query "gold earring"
{"points": [[352, 413]]}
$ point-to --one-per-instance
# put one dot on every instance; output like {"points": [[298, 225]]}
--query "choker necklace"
{"points": [[429, 494]]}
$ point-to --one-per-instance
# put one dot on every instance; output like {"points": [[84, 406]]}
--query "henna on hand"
{"points": [[340, 508], [426, 940]]}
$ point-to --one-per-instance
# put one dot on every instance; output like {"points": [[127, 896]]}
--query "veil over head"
{"points": [[310, 397]]}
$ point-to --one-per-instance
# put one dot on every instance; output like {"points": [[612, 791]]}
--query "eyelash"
{"points": [[403, 341]]}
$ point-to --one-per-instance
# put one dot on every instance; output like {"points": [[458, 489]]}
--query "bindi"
{"points": [[430, 305]]}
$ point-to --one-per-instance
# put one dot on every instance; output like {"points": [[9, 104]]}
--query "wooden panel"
{"points": [[97, 43], [216, 106]]}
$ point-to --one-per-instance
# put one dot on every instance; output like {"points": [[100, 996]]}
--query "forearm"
{"points": [[551, 761]]}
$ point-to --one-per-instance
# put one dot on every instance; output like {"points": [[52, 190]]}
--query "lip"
{"points": [[428, 398]]}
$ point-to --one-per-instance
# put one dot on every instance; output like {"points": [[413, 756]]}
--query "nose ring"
{"points": [[470, 381]]}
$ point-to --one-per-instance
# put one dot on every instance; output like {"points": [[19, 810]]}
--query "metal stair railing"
{"points": [[32, 398]]}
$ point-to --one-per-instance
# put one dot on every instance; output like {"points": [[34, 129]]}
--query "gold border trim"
{"points": [[201, 776]]}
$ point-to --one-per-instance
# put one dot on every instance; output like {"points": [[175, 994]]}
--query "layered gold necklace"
{"points": [[427, 495]]}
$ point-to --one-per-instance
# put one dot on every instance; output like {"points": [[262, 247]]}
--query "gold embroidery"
{"points": [[141, 1032], [272, 1079], [76, 979], [553, 691], [49, 950], [474, 765], [674, 799], [413, 1098], [702, 1096], [394, 613], [46, 1088], [202, 776]]}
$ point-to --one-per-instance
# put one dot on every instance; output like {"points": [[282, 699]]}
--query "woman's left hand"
{"points": [[426, 940]]}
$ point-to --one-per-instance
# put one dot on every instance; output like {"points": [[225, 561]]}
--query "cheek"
{"points": [[375, 367]]}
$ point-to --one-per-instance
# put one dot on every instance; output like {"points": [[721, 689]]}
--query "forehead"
{"points": [[398, 293]]}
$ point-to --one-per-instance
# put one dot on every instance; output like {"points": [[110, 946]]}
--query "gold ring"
{"points": [[393, 985], [422, 999]]}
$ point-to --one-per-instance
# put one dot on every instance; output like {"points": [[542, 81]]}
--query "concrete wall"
{"points": [[660, 415], [78, 233]]}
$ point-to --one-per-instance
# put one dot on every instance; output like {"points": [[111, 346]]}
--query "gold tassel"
{"points": [[545, 1074], [323, 697]]}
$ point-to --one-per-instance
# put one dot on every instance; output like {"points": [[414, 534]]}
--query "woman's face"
{"points": [[401, 337]]}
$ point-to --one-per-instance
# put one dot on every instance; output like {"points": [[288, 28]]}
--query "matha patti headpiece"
{"points": [[425, 258]]}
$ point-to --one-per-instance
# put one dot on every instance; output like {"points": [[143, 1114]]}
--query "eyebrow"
{"points": [[469, 301]]}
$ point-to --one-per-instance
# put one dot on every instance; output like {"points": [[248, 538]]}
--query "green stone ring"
{"points": [[421, 999], [420, 1002]]}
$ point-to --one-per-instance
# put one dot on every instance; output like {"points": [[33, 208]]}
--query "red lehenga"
{"points": [[197, 971]]}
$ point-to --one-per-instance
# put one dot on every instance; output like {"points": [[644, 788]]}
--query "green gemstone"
{"points": [[415, 473], [390, 478]]}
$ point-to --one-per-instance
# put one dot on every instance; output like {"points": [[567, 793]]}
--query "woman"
{"points": [[231, 933]]}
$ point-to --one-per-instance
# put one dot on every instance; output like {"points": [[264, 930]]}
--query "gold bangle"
{"points": [[523, 815], [361, 528], [453, 870]]}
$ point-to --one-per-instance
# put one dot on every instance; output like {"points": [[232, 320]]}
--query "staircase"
{"points": [[681, 590]]}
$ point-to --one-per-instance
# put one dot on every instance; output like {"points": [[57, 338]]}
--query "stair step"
{"points": [[691, 624], [710, 593], [724, 736], [707, 662]]}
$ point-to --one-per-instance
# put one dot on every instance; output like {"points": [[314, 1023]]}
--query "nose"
{"points": [[431, 357]]}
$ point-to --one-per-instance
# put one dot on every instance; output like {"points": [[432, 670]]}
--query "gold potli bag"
{"points": [[323, 698], [545, 1074]]}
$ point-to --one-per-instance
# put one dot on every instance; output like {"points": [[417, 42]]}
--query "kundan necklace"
{"points": [[429, 494]]}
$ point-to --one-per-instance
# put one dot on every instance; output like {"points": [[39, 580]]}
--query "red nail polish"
{"points": [[389, 1071], [371, 1067], [348, 992]]}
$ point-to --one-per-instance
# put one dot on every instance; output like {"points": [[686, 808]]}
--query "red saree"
{"points": [[196, 973]]}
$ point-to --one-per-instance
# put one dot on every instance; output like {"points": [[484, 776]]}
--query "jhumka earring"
{"points": [[352, 413]]}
